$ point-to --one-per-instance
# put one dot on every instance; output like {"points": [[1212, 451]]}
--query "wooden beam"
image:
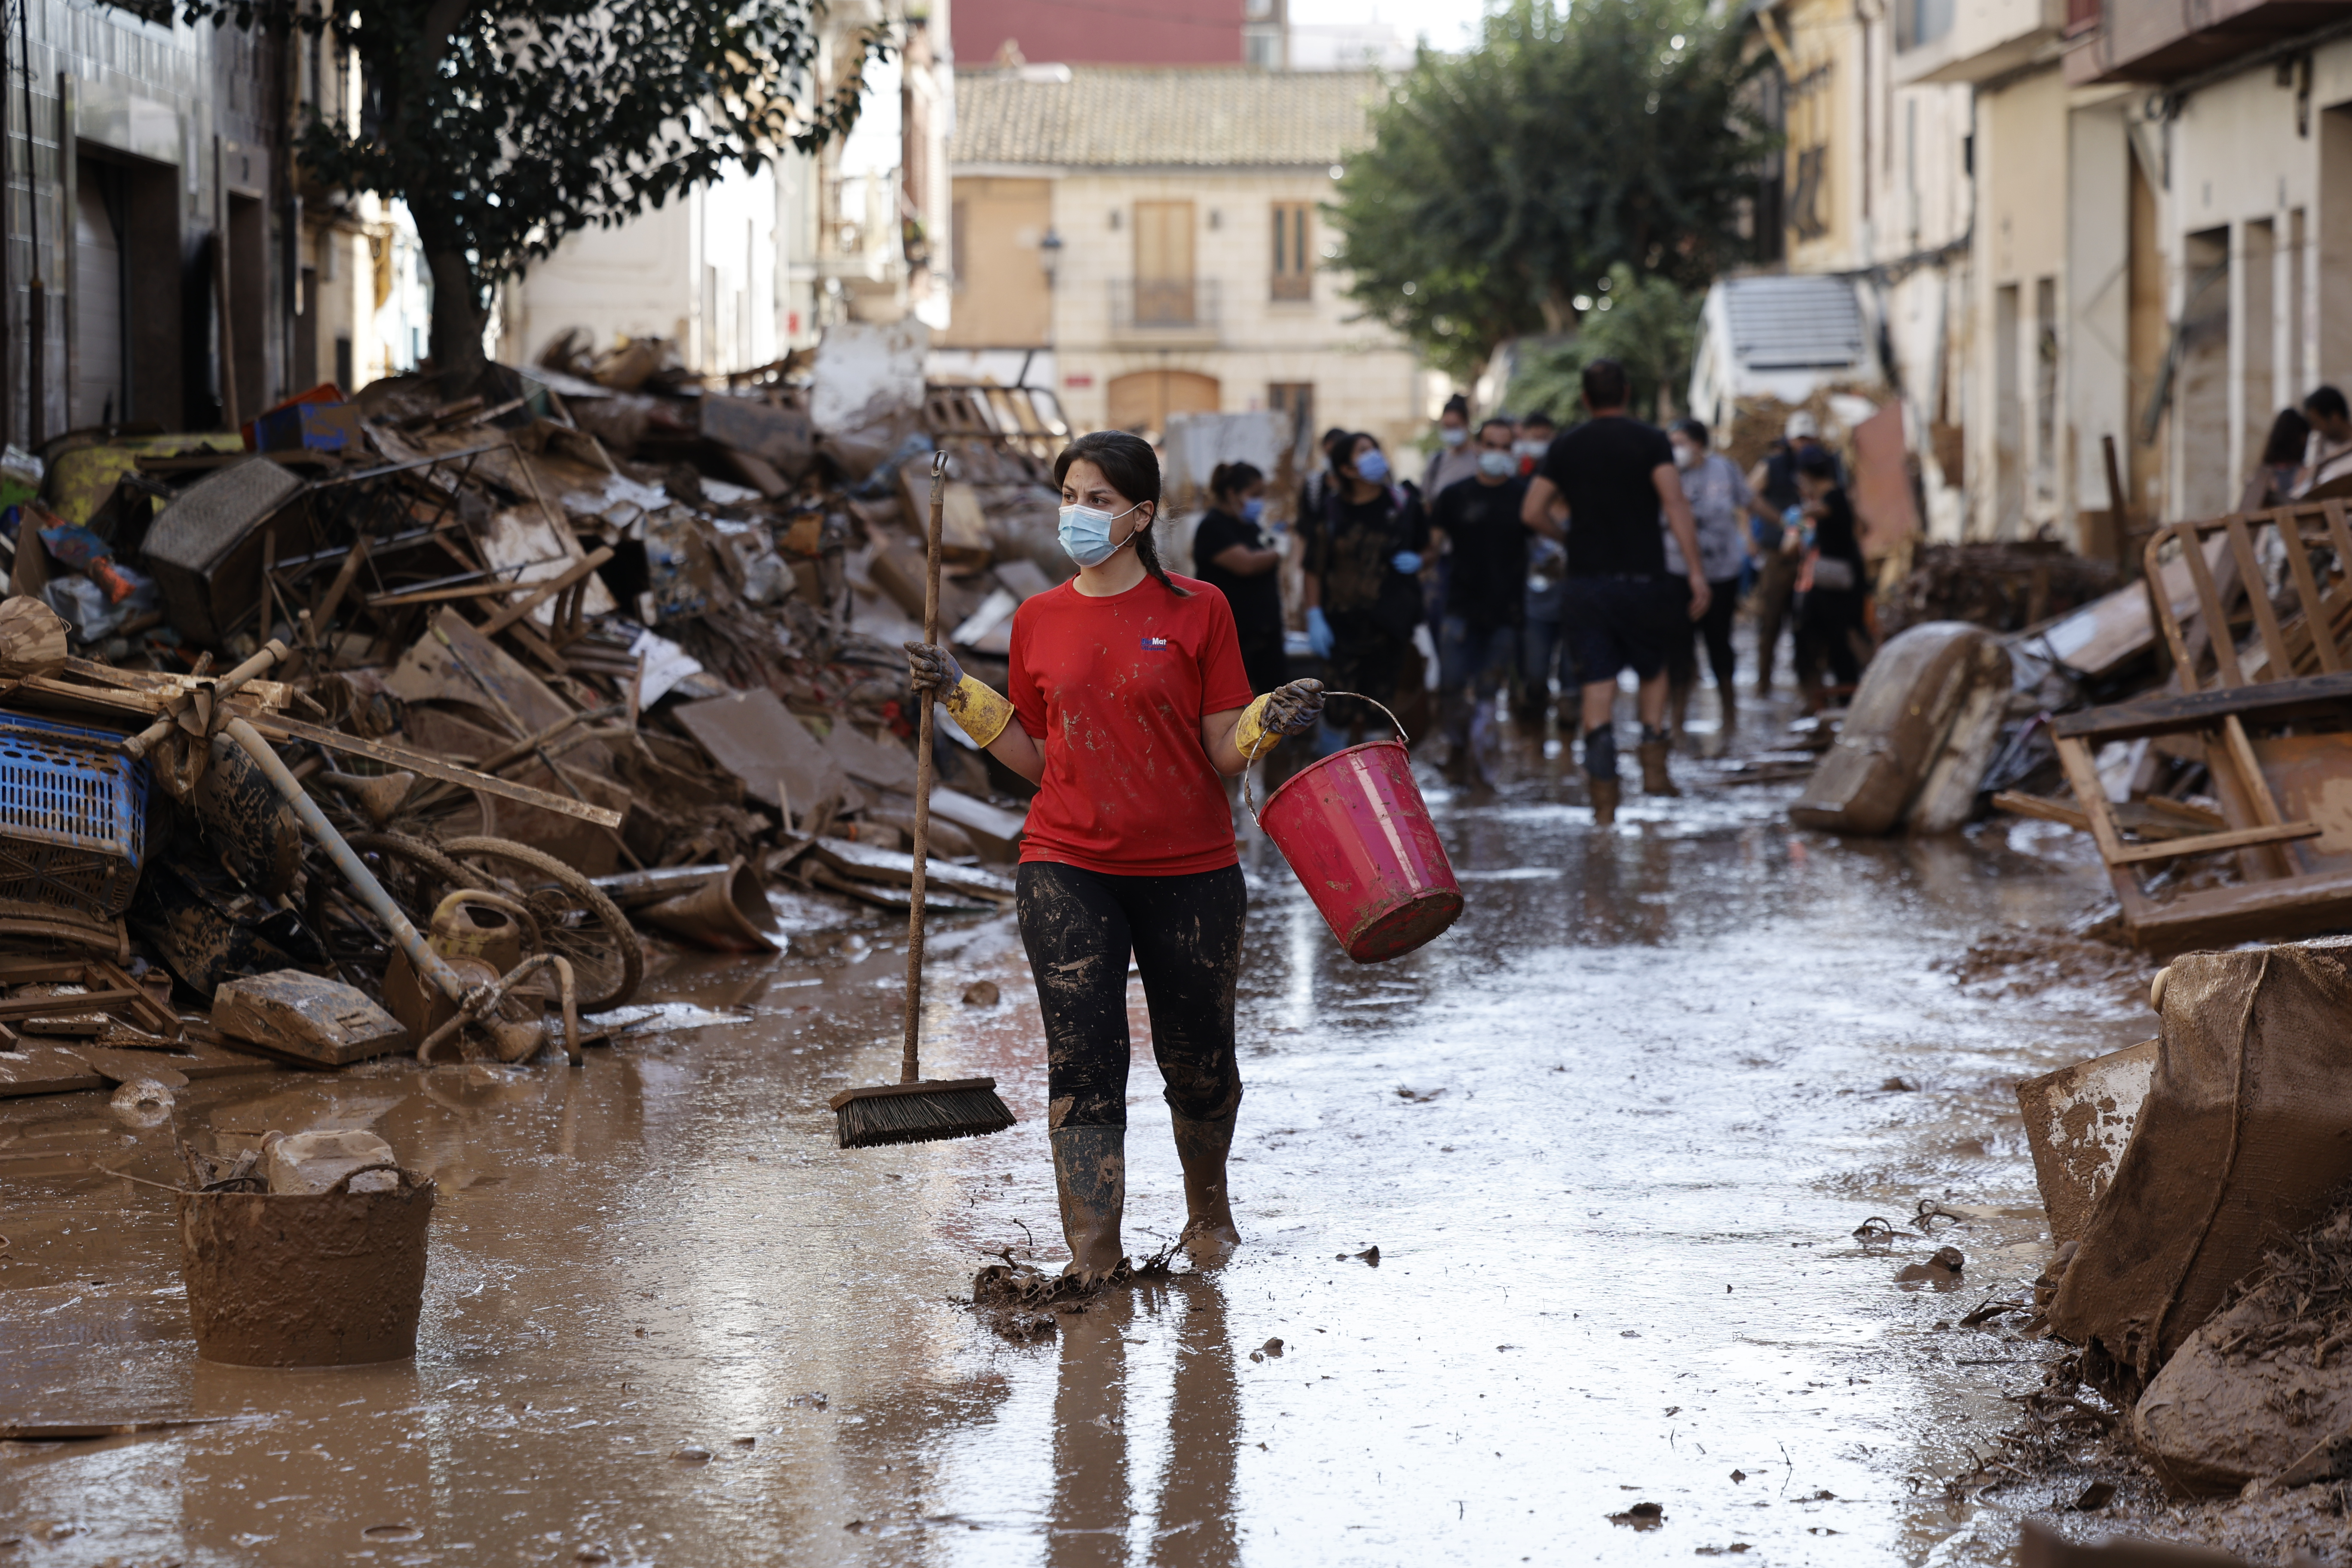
{"points": [[2273, 701], [576, 572], [2019, 803], [2214, 843], [277, 727]]}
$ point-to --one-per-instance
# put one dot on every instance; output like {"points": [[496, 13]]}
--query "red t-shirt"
{"points": [[1114, 691]]}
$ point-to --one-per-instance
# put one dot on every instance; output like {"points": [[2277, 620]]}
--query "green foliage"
{"points": [[506, 125], [1503, 182], [1650, 326]]}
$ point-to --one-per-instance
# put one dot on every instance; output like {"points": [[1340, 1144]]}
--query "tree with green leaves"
{"points": [[506, 125], [1503, 184], [1649, 325]]}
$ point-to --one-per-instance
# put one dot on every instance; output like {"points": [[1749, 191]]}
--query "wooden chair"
{"points": [[2269, 718]]}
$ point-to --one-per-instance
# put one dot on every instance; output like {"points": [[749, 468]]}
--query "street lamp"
{"points": [[1049, 253]]}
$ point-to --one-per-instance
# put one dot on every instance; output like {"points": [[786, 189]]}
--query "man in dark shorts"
{"points": [[1620, 610], [1486, 595]]}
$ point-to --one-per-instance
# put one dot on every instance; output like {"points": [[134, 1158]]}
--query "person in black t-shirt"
{"points": [[1830, 612], [1232, 552], [1620, 611], [1773, 484], [1363, 593], [1486, 596]]}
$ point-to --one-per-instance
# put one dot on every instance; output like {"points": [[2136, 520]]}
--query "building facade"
{"points": [[2141, 219], [1148, 241], [166, 263]]}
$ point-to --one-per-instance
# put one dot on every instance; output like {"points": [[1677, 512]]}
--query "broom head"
{"points": [[921, 1112]]}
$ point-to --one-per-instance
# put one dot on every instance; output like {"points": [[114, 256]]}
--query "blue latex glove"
{"points": [[1406, 561], [1318, 632]]}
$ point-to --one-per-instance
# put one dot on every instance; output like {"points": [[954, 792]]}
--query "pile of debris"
{"points": [[2191, 722], [2008, 587], [386, 723]]}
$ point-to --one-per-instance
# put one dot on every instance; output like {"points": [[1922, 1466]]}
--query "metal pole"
{"points": [[37, 302]]}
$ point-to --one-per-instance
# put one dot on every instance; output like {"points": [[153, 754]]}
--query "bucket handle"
{"points": [[342, 1183], [1266, 744]]}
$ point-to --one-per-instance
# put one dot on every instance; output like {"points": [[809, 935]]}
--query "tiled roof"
{"points": [[1128, 116]]}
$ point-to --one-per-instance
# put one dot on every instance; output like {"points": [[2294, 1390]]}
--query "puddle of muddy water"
{"points": [[1611, 1137]]}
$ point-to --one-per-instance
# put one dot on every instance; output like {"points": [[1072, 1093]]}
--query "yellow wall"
{"points": [[1000, 300]]}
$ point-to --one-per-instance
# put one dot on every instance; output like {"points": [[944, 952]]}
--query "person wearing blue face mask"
{"points": [[1363, 588], [1485, 593], [1128, 705], [1233, 553]]}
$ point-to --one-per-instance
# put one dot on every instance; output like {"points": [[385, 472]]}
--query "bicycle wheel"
{"points": [[580, 922], [357, 943]]}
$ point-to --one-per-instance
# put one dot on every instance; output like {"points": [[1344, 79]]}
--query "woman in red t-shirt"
{"points": [[1132, 701]]}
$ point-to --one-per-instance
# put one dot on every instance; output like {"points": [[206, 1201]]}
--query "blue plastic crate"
{"points": [[73, 817]]}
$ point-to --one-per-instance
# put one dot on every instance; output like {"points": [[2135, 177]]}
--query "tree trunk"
{"points": [[457, 321]]}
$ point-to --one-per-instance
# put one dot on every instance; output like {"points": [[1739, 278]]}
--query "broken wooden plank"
{"points": [[277, 727], [577, 573], [2276, 701], [2019, 803], [2214, 843]]}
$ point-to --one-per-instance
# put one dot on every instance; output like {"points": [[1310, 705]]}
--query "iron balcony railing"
{"points": [[1156, 306]]}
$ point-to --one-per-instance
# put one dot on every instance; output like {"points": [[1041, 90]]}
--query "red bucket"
{"points": [[1355, 830]]}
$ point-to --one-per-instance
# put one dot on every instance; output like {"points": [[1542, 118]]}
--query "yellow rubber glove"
{"points": [[978, 711], [1285, 711]]}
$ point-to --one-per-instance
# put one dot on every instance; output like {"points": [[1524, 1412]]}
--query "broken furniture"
{"points": [[1916, 737], [2267, 719]]}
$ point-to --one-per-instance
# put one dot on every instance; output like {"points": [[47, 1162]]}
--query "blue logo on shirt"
{"points": [[1155, 644]]}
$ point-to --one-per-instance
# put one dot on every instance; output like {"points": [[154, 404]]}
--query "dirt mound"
{"points": [[2006, 964], [2266, 1378], [1020, 1301]]}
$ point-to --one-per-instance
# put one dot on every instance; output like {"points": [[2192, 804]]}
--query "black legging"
{"points": [[1713, 630], [1186, 935], [1825, 629]]}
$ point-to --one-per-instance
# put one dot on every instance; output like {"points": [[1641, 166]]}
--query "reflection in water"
{"points": [[1098, 1392], [1205, 1432]]}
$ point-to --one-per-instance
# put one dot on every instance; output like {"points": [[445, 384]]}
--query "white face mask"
{"points": [[1450, 437], [1684, 455]]}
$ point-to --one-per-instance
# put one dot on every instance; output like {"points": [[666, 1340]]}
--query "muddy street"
{"points": [[1548, 1221]]}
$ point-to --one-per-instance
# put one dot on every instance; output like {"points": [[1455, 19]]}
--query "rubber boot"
{"points": [[1605, 793], [1210, 1233], [1090, 1178], [1652, 751]]}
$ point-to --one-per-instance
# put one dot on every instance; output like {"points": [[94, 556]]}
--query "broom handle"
{"points": [[910, 1069]]}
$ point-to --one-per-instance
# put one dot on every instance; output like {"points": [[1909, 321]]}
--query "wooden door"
{"points": [[1144, 399], [1164, 263]]}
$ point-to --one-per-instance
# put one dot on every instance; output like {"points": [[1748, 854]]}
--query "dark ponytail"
{"points": [[1232, 479], [1133, 469]]}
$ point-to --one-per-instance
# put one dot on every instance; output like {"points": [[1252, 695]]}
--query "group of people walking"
{"points": [[1533, 556]]}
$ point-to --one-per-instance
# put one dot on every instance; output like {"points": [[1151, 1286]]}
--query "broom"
{"points": [[914, 1111]]}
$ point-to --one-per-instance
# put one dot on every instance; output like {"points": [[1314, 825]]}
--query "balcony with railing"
{"points": [[1971, 41], [2165, 40], [1164, 309]]}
